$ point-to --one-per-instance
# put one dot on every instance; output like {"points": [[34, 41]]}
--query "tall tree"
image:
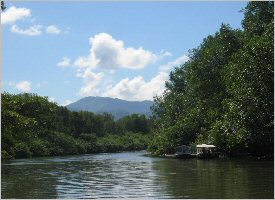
{"points": [[249, 77], [224, 93]]}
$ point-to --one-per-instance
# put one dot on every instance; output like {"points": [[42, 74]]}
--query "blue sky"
{"points": [[70, 50]]}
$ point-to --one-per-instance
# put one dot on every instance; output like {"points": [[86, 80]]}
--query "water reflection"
{"points": [[21, 181], [133, 175], [218, 178]]}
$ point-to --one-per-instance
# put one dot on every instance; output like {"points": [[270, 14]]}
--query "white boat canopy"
{"points": [[205, 146]]}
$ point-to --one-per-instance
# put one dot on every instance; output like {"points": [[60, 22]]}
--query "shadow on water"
{"points": [[218, 178], [21, 181], [133, 175]]}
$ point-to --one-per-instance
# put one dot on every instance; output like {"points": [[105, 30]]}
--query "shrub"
{"points": [[66, 143], [39, 148], [21, 150], [5, 155]]}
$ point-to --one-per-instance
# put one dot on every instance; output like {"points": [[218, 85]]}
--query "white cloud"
{"points": [[108, 53], [52, 29], [91, 81], [65, 103], [175, 63], [23, 86], [64, 63], [137, 88], [31, 31], [13, 14], [164, 53]]}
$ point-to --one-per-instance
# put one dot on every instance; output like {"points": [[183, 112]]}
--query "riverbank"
{"points": [[246, 156], [32, 126], [107, 144]]}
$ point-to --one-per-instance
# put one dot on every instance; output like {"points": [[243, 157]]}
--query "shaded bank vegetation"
{"points": [[224, 95], [33, 126]]}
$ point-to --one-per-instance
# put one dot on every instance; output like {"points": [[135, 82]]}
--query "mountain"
{"points": [[117, 107]]}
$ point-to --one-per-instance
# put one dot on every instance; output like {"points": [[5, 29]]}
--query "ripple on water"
{"points": [[131, 175]]}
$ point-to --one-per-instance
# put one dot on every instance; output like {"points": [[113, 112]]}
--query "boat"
{"points": [[205, 151], [182, 151]]}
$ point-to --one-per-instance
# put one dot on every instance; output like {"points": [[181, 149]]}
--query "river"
{"points": [[131, 174]]}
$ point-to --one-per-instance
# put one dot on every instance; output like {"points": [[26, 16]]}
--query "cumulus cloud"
{"points": [[109, 53], [175, 63], [137, 88], [64, 63], [91, 81], [13, 14], [23, 86], [31, 31], [52, 29]]}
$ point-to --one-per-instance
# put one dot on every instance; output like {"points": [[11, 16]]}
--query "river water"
{"points": [[132, 174]]}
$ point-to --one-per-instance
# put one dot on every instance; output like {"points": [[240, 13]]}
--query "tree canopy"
{"points": [[33, 126], [224, 94]]}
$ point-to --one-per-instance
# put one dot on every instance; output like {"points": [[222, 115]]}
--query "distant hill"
{"points": [[117, 107]]}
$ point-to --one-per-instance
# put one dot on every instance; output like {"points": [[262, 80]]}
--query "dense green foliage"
{"points": [[33, 126], [224, 94]]}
